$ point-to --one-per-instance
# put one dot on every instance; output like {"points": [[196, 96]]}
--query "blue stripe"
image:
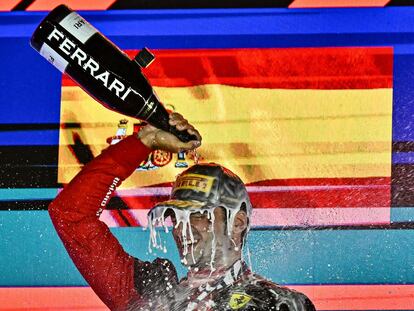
{"points": [[403, 158], [402, 214], [403, 94], [32, 254], [31, 138], [201, 22], [17, 194], [30, 94]]}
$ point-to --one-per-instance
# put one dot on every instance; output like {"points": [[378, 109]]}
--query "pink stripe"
{"points": [[359, 297], [321, 216], [325, 297], [107, 218], [293, 216], [337, 3]]}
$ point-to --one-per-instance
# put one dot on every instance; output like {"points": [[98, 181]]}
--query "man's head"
{"points": [[210, 210]]}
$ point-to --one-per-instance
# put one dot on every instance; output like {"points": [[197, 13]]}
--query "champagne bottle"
{"points": [[106, 73]]}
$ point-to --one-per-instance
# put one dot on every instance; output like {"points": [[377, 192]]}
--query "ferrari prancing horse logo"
{"points": [[239, 300]]}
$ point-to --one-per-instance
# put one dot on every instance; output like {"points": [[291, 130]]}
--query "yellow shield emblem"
{"points": [[239, 300]]}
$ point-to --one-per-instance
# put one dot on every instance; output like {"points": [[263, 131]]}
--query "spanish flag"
{"points": [[307, 129]]}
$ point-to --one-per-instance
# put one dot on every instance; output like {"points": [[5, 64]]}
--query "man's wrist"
{"points": [[129, 152], [145, 140]]}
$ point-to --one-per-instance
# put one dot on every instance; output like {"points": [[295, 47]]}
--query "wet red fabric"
{"points": [[97, 254]]}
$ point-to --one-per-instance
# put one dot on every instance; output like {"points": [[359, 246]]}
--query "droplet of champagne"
{"points": [[195, 155]]}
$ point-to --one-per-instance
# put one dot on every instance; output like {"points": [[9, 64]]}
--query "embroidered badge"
{"points": [[239, 300]]}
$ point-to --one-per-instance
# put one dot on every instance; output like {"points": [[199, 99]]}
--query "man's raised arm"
{"points": [[94, 250], [97, 254]]}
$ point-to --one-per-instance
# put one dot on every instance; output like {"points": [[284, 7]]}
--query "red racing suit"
{"points": [[123, 282]]}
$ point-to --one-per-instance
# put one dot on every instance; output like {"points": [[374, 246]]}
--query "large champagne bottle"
{"points": [[76, 48]]}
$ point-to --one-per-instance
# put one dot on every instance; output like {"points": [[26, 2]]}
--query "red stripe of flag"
{"points": [[302, 193], [289, 68], [294, 199]]}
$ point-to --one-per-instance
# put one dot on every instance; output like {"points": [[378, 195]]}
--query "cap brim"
{"points": [[184, 205]]}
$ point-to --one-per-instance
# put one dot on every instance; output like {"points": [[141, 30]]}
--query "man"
{"points": [[210, 210]]}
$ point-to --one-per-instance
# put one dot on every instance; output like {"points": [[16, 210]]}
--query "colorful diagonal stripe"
{"points": [[7, 5], [47, 5]]}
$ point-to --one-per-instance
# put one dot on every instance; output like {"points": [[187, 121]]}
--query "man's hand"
{"points": [[155, 138]]}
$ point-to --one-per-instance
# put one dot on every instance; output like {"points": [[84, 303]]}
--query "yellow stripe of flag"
{"points": [[258, 133]]}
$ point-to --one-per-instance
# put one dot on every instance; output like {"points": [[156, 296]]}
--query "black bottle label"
{"points": [[61, 50]]}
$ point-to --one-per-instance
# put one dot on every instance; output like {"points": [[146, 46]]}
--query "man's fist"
{"points": [[155, 138]]}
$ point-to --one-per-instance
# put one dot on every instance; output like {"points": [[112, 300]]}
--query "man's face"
{"points": [[206, 233]]}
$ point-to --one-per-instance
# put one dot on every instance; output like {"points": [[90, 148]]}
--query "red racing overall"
{"points": [[123, 282]]}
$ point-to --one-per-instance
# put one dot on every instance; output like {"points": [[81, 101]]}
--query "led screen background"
{"points": [[313, 143], [312, 108]]}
